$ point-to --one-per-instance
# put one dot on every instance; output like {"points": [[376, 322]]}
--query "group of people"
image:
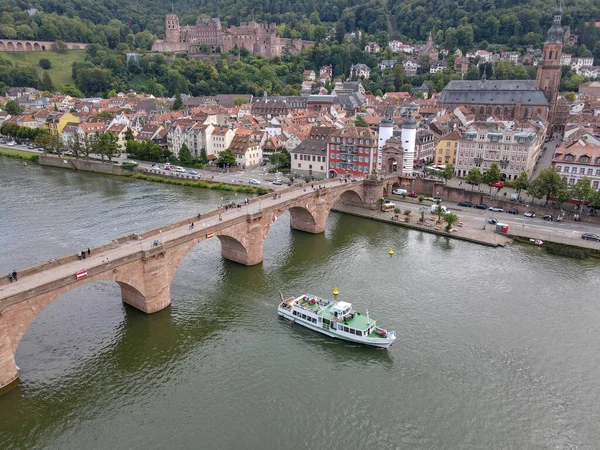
{"points": [[83, 253], [13, 276]]}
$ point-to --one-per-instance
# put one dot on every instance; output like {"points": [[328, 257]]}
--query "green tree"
{"points": [[521, 183], [281, 159], [105, 144], [447, 173], [582, 191], [493, 175], [13, 108], [203, 156], [360, 122], [129, 135], [226, 157], [547, 184], [46, 83], [570, 97], [45, 63], [178, 104], [562, 196], [475, 177], [238, 101], [185, 156], [450, 219]]}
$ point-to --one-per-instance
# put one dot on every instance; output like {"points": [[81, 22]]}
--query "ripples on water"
{"points": [[495, 349]]}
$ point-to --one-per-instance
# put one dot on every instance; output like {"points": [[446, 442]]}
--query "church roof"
{"points": [[493, 92]]}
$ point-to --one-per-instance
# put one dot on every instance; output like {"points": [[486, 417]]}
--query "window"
{"points": [[582, 171], [295, 156], [321, 167], [585, 159], [590, 171], [299, 165], [595, 184], [304, 316]]}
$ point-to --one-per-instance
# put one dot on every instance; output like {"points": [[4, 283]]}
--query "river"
{"points": [[496, 348]]}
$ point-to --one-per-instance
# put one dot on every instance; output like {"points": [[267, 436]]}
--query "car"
{"points": [[497, 184], [467, 204], [529, 214], [496, 208], [399, 191], [547, 217], [167, 167], [492, 221], [255, 181], [436, 199], [474, 183], [512, 211], [264, 163], [180, 170], [590, 237], [192, 172], [11, 144], [413, 194], [277, 182], [481, 206]]}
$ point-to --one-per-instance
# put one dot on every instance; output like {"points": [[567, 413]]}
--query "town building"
{"points": [[590, 88], [247, 152], [447, 148], [387, 64], [352, 151], [515, 149], [410, 68], [574, 162], [208, 36], [424, 147], [309, 158], [461, 63], [360, 71], [372, 48]]}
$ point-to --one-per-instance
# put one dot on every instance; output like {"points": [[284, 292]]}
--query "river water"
{"points": [[496, 348]]}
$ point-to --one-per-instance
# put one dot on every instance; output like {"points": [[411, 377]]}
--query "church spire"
{"points": [[556, 33]]}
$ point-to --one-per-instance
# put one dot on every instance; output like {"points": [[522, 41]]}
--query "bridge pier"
{"points": [[153, 281], [9, 376]]}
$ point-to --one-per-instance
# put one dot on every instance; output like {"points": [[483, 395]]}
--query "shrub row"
{"points": [[200, 184]]}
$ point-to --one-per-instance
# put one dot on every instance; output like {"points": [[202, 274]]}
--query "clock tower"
{"points": [[549, 71]]}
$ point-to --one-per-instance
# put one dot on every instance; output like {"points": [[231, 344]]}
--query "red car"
{"points": [[497, 184], [413, 194]]}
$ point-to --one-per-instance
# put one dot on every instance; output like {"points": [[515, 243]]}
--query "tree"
{"points": [[360, 122], [45, 63], [447, 173], [475, 177], [13, 108], [226, 157], [439, 211], [129, 135], [570, 97], [203, 156], [47, 84], [547, 184], [75, 145], [450, 219], [178, 103], [281, 159], [582, 191], [493, 175], [562, 196], [185, 155], [238, 101], [521, 183], [60, 47], [105, 144]]}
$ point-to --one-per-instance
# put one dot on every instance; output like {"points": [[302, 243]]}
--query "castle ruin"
{"points": [[258, 38]]}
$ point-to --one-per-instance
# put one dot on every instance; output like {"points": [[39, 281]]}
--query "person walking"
{"points": [[79, 255], [89, 252], [220, 216], [198, 216], [10, 276], [83, 254], [14, 274]]}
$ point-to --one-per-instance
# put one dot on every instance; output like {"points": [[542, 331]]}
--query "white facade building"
{"points": [[577, 161]]}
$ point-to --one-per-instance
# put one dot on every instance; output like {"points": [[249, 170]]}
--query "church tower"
{"points": [[172, 28], [549, 72]]}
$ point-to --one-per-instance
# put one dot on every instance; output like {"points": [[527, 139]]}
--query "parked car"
{"points": [[180, 170], [12, 144], [492, 221], [277, 182], [388, 206], [413, 194], [167, 167], [474, 183], [399, 192], [255, 181], [192, 172], [496, 208], [481, 206], [529, 214], [547, 217], [590, 237], [497, 184], [467, 204], [436, 199], [512, 211]]}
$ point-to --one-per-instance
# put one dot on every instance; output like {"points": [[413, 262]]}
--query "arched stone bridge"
{"points": [[19, 45], [144, 270]]}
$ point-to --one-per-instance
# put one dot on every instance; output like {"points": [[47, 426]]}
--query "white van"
{"points": [[399, 192], [434, 209]]}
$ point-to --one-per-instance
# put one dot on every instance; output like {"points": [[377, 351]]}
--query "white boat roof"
{"points": [[343, 305]]}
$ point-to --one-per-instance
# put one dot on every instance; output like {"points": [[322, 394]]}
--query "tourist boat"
{"points": [[335, 319]]}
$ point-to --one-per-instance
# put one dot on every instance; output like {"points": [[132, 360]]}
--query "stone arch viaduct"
{"points": [[19, 45], [144, 265]]}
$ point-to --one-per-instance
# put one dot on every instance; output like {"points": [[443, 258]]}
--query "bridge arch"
{"points": [[36, 47], [28, 46], [10, 46], [20, 47]]}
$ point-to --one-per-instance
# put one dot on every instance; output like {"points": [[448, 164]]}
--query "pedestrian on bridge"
{"points": [[220, 216], [10, 276], [89, 252], [14, 274], [79, 255]]}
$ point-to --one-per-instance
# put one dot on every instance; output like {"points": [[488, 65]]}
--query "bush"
{"points": [[397, 210], [407, 212], [45, 63], [129, 165], [421, 198]]}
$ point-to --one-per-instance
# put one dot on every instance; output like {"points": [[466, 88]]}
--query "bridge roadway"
{"points": [[144, 270]]}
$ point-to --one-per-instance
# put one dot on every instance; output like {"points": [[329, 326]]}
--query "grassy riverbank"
{"points": [[200, 184], [19, 154]]}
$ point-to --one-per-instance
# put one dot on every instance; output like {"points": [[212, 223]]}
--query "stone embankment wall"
{"points": [[80, 164], [18, 45]]}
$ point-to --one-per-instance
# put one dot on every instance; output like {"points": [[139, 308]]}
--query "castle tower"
{"points": [[386, 130], [549, 72], [172, 29], [409, 140]]}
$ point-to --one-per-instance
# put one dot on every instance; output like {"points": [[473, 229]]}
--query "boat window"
{"points": [[346, 329], [358, 333], [304, 316], [352, 331]]}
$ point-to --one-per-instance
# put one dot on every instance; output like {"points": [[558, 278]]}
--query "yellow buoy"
{"points": [[24, 163], [335, 291], [391, 252]]}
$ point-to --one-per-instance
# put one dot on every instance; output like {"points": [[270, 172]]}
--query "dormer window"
{"points": [[584, 159], [569, 158]]}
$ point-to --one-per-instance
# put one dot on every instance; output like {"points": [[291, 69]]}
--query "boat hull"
{"points": [[373, 342]]}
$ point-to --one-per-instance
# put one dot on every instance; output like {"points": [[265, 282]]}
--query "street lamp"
{"points": [[161, 238]]}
